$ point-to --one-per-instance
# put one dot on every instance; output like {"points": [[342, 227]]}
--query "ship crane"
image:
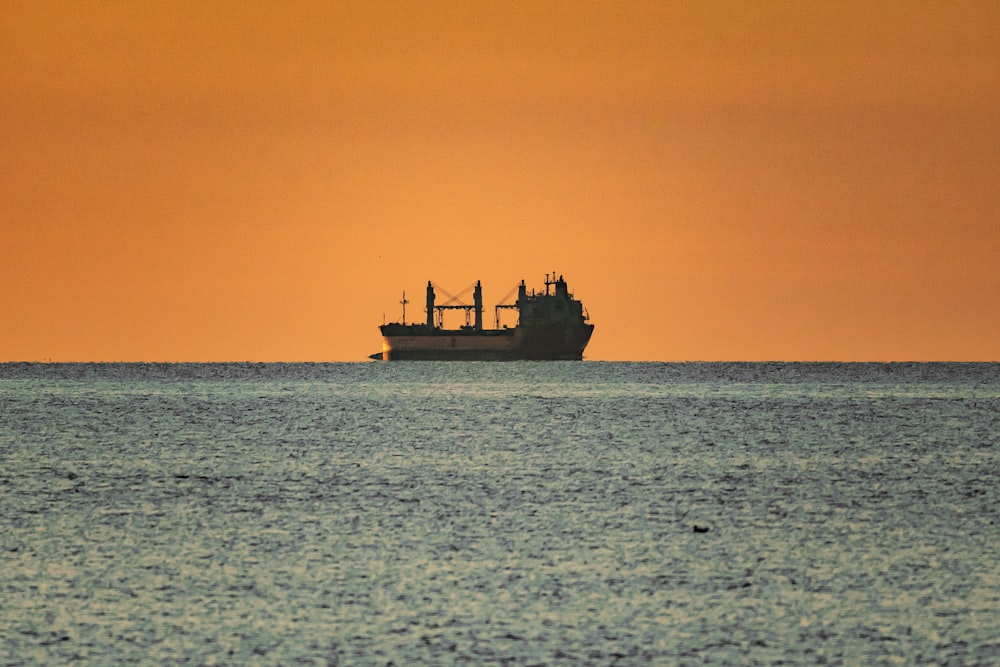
{"points": [[506, 306], [477, 307], [440, 314]]}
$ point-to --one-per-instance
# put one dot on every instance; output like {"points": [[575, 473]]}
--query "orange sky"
{"points": [[259, 181]]}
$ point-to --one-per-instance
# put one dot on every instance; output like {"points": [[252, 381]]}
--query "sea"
{"points": [[519, 513]]}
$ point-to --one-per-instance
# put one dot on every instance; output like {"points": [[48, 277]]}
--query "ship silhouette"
{"points": [[552, 325]]}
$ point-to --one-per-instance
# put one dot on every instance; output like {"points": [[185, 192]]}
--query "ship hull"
{"points": [[418, 343]]}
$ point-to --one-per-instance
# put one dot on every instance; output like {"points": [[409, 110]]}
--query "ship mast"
{"points": [[404, 302], [549, 281]]}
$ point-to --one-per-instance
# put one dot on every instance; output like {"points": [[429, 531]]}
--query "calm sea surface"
{"points": [[516, 513]]}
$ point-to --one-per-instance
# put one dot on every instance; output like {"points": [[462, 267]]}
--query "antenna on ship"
{"points": [[549, 281], [404, 302]]}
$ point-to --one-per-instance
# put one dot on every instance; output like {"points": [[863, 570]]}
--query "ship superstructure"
{"points": [[551, 325]]}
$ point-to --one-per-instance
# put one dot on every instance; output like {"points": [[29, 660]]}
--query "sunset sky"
{"points": [[215, 181]]}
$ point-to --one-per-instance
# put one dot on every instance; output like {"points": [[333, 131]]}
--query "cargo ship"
{"points": [[550, 326]]}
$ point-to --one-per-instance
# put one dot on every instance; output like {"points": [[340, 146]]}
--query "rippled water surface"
{"points": [[519, 513]]}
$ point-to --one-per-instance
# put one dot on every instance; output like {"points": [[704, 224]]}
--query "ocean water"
{"points": [[508, 513]]}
